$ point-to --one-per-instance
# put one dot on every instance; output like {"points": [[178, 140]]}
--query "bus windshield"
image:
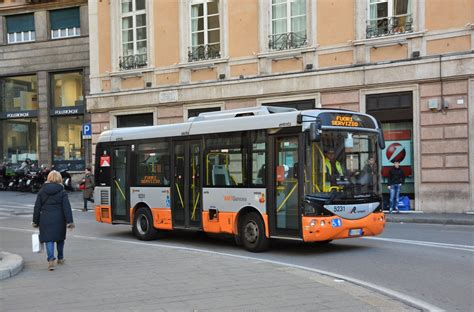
{"points": [[342, 165]]}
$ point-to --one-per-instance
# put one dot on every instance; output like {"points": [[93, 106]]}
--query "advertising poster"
{"points": [[397, 148]]}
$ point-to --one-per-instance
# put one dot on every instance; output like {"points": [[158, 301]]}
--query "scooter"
{"points": [[67, 181]]}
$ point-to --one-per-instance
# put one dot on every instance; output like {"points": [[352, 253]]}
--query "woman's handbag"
{"points": [[37, 247], [82, 186]]}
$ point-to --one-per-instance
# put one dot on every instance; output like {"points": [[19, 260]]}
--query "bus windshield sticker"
{"points": [[336, 223]]}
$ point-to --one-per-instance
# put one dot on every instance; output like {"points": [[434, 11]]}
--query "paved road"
{"points": [[431, 263]]}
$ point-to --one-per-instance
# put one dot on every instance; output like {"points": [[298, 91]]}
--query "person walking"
{"points": [[396, 178], [88, 187], [52, 214]]}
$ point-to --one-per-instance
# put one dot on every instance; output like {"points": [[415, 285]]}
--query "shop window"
{"points": [[389, 17], [134, 34], [137, 120], [225, 161], [19, 93], [20, 28], [19, 140], [288, 24], [67, 141], [67, 89], [205, 30], [65, 23], [153, 164]]}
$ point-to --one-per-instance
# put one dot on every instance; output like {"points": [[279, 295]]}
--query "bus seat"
{"points": [[220, 176]]}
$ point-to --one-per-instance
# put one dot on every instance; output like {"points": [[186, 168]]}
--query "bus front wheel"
{"points": [[143, 225], [252, 233]]}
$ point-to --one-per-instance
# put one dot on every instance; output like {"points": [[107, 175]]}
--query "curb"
{"points": [[10, 265]]}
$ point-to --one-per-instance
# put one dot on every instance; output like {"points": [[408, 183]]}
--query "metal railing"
{"points": [[390, 26], [203, 52], [132, 61], [287, 41]]}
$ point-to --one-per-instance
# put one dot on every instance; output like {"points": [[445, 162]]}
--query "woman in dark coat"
{"points": [[53, 214]]}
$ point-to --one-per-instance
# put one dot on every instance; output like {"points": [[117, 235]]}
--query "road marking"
{"points": [[423, 243], [411, 301]]}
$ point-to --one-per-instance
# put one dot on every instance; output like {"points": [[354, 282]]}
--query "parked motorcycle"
{"points": [[67, 181]]}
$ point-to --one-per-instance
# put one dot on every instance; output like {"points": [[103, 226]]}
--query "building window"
{"points": [[288, 24], [20, 28], [389, 17], [134, 35], [67, 90], [65, 23], [137, 120], [19, 140], [19, 93], [205, 30], [67, 141], [194, 112]]}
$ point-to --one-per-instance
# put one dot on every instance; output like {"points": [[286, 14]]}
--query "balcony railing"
{"points": [[204, 52], [390, 26], [287, 41], [132, 61]]}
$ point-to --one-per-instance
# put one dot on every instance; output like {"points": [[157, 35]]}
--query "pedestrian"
{"points": [[88, 187], [396, 178], [52, 213]]}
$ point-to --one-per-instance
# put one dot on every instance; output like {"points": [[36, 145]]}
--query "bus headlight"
{"points": [[322, 223], [312, 223]]}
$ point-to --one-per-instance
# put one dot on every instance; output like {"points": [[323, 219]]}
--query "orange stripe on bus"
{"points": [[103, 214], [162, 218], [371, 225]]}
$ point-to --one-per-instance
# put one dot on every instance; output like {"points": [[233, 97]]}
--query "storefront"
{"points": [[19, 128], [67, 117]]}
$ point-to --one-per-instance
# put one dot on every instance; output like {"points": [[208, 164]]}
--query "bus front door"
{"points": [[120, 200], [187, 188], [284, 212]]}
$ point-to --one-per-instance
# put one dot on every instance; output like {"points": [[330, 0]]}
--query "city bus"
{"points": [[257, 174]]}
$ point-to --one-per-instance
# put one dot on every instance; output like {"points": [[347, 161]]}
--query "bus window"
{"points": [[225, 161], [153, 164], [259, 171]]}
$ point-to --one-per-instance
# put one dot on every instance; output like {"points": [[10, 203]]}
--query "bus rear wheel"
{"points": [[143, 225], [252, 233]]}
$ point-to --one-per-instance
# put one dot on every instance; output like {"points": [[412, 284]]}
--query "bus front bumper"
{"points": [[329, 228]]}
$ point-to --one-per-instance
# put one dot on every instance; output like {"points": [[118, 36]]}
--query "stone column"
{"points": [[3, 29], [41, 25], [45, 146]]}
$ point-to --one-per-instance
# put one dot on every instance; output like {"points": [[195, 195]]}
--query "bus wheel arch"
{"points": [[142, 226], [251, 231]]}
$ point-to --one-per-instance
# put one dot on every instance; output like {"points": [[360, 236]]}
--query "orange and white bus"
{"points": [[257, 173]]}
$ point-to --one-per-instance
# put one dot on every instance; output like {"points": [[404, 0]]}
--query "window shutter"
{"points": [[65, 18], [19, 23]]}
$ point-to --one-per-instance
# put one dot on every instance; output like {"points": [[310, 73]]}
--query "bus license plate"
{"points": [[336, 222], [355, 232]]}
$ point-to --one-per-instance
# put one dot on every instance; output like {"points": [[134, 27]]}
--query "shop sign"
{"points": [[86, 131], [65, 111], [24, 114]]}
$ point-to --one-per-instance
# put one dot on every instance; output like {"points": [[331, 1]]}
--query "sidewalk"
{"points": [[112, 275], [433, 218]]}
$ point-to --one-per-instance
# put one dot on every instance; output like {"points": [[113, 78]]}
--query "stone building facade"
{"points": [[44, 79], [409, 63]]}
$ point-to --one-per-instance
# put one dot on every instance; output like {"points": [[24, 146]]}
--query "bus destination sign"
{"points": [[344, 121]]}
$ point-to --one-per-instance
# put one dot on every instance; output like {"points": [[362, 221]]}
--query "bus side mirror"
{"points": [[315, 131], [381, 139]]}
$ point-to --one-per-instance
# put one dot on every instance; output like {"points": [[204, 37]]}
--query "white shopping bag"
{"points": [[37, 247]]}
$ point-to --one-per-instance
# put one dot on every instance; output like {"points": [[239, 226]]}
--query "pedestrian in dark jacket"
{"points": [[88, 187], [396, 178], [52, 213]]}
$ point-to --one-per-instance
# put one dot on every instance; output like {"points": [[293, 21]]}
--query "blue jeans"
{"points": [[50, 250], [394, 196]]}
